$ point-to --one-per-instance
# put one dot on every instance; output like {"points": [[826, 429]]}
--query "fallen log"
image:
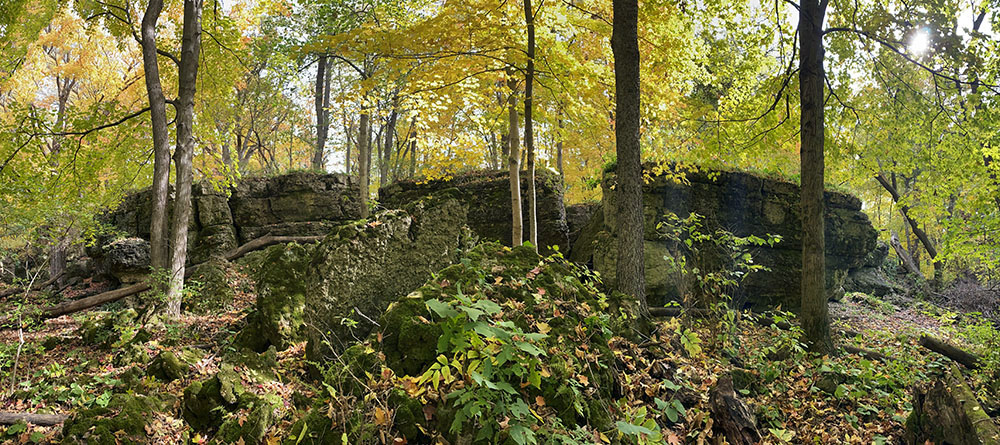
{"points": [[36, 419], [904, 256], [866, 353], [39, 286], [70, 307], [674, 311], [266, 241], [967, 359]]}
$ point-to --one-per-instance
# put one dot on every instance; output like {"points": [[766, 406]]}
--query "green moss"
{"points": [[206, 402], [409, 344], [215, 292], [123, 420], [348, 373], [263, 413], [167, 367], [281, 288]]}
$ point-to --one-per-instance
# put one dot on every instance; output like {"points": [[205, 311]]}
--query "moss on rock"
{"points": [[123, 420], [206, 402], [216, 286], [167, 366], [282, 281]]}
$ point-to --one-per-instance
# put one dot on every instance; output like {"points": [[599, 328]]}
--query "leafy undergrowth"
{"points": [[506, 347]]}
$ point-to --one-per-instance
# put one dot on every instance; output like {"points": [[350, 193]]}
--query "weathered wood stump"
{"points": [[731, 415], [948, 412]]}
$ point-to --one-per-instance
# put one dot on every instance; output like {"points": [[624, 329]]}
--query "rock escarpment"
{"points": [[299, 203], [487, 196], [332, 293], [743, 204]]}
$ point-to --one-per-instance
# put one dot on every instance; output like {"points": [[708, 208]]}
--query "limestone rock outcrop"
{"points": [[487, 196], [743, 204], [332, 292], [298, 203]]}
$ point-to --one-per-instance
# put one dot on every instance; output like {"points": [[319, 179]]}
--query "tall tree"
{"points": [[815, 319], [629, 270], [159, 256], [322, 99], [183, 154], [514, 163], [529, 135]]}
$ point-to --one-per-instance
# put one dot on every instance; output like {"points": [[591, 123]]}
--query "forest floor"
{"points": [[798, 398]]}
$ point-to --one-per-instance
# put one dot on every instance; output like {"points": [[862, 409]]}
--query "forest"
{"points": [[498, 221]]}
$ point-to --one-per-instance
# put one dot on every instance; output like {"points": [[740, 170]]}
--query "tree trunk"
{"points": [[348, 129], [57, 259], [815, 319], [904, 256], [390, 131], [188, 75], [732, 416], [921, 235], [629, 274], [514, 164], [159, 256], [364, 160], [559, 145], [321, 123], [529, 132], [34, 419], [413, 154]]}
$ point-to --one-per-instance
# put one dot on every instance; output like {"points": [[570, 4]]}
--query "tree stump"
{"points": [[948, 412], [731, 415]]}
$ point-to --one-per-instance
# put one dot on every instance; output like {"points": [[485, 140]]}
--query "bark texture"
{"points": [[814, 313], [630, 277], [364, 160], [188, 75], [529, 127], [159, 255], [514, 164]]}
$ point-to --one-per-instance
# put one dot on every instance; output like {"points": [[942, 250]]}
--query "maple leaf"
{"points": [[672, 439]]}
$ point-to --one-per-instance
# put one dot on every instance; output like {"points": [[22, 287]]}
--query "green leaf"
{"points": [[632, 430], [442, 309]]}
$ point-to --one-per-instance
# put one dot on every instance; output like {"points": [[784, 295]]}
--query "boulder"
{"points": [[282, 282], [298, 203], [207, 402], [127, 259], [743, 204], [487, 196], [578, 218], [215, 282], [870, 278], [122, 421], [360, 268]]}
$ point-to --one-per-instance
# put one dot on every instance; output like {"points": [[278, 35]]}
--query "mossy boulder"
{"points": [[206, 402], [217, 284], [168, 366], [360, 268], [123, 420], [486, 193], [744, 204], [282, 281], [545, 312], [105, 329], [258, 367], [255, 416]]}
